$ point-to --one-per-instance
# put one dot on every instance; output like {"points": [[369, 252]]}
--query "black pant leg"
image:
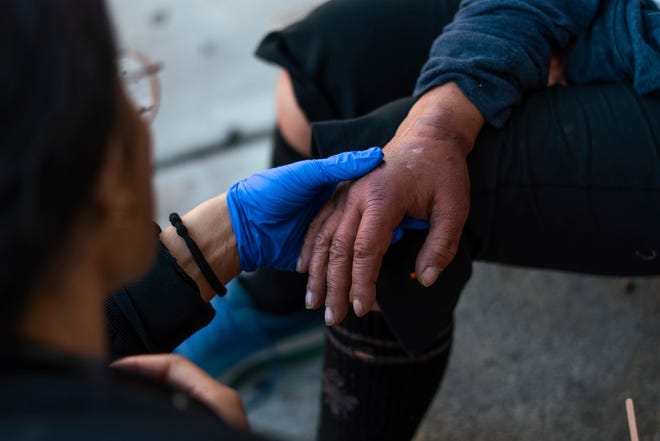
{"points": [[345, 59], [572, 182]]}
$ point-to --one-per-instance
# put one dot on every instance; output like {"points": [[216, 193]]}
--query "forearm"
{"points": [[210, 227], [443, 112], [168, 304]]}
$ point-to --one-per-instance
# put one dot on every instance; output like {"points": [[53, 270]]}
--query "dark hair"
{"points": [[58, 105]]}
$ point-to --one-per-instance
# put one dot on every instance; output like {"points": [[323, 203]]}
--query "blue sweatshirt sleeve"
{"points": [[494, 50]]}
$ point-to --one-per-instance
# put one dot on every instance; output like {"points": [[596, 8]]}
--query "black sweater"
{"points": [[157, 312]]}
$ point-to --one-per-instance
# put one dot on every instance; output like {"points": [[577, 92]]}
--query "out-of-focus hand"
{"points": [[424, 176], [185, 376], [270, 211]]}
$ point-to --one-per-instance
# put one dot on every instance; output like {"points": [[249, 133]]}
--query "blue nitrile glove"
{"points": [[408, 223], [270, 211]]}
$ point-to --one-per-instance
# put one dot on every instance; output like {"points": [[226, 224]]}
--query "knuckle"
{"points": [[378, 197], [368, 193], [340, 248], [337, 269], [226, 396], [177, 359], [446, 250], [320, 245], [363, 250], [445, 257], [322, 239], [234, 396], [450, 242], [176, 363], [354, 196]]}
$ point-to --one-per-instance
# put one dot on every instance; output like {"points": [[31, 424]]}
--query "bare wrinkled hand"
{"points": [[424, 176], [181, 374]]}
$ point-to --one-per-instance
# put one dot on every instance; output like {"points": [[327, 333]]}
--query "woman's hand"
{"points": [[183, 375], [270, 211]]}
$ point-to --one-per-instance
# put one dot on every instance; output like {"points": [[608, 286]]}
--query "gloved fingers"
{"points": [[397, 234], [408, 223], [348, 165], [280, 202], [301, 180]]}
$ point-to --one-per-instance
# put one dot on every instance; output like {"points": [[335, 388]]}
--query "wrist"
{"points": [[210, 228], [444, 113]]}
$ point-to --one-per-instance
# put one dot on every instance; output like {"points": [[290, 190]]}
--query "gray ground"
{"points": [[538, 355]]}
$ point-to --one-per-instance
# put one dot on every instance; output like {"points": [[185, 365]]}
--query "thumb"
{"points": [[349, 165], [438, 250]]}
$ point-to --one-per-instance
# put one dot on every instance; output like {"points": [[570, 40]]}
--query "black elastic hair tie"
{"points": [[201, 262]]}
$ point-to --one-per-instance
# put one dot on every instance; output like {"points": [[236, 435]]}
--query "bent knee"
{"points": [[292, 122]]}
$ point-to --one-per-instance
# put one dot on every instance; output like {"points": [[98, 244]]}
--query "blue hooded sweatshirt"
{"points": [[495, 50]]}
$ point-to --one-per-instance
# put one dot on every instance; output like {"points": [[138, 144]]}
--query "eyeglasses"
{"points": [[140, 79]]}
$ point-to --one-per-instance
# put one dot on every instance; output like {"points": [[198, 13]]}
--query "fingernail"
{"points": [[309, 300], [329, 316], [358, 307], [429, 276], [299, 265]]}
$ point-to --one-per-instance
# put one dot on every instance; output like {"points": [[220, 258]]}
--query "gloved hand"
{"points": [[270, 211]]}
